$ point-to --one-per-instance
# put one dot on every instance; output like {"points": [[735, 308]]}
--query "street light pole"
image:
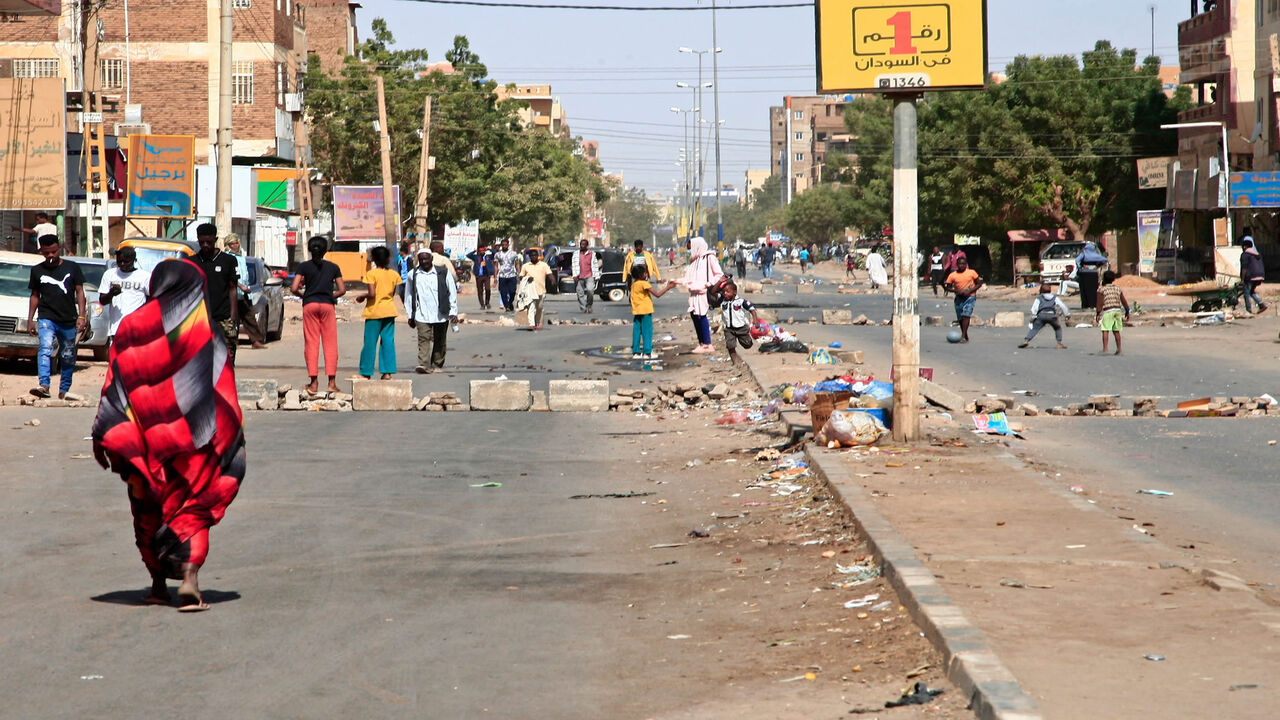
{"points": [[715, 98]]}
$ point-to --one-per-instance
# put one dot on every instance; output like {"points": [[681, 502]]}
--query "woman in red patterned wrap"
{"points": [[169, 424]]}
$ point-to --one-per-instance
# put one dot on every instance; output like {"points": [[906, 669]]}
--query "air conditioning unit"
{"points": [[124, 131], [292, 102]]}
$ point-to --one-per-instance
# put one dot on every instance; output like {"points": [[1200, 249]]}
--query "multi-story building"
{"points": [[753, 181], [1217, 55], [543, 111], [165, 74], [331, 31], [801, 133]]}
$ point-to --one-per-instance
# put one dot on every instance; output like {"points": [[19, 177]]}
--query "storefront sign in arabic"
{"points": [[33, 154]]}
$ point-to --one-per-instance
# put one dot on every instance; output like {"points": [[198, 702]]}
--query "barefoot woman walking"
{"points": [[169, 424]]}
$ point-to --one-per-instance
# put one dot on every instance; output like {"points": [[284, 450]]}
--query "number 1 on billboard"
{"points": [[901, 24]]}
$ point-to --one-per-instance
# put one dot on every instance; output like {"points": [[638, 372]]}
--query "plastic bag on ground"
{"points": [[734, 417], [853, 429]]}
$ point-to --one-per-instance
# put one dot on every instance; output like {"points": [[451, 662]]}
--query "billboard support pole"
{"points": [[906, 304], [389, 224]]}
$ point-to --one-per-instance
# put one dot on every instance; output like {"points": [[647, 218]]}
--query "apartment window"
{"points": [[798, 115], [799, 136], [29, 68], [281, 88], [799, 157], [242, 82], [112, 74], [241, 4]]}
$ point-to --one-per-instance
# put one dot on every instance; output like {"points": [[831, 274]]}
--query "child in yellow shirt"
{"points": [[379, 315], [642, 295]]}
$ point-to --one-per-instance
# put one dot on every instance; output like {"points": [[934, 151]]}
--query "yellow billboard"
{"points": [[887, 46]]}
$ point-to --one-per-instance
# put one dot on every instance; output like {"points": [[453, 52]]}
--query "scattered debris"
{"points": [[1157, 493], [1154, 658], [1019, 584], [610, 496]]}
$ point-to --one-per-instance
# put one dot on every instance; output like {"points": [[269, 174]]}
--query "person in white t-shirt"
{"points": [[44, 226], [124, 288]]}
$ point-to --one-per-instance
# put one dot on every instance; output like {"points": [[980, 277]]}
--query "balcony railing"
{"points": [[1206, 26]]}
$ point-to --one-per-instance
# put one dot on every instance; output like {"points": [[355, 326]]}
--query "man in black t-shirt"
{"points": [[221, 282], [57, 292]]}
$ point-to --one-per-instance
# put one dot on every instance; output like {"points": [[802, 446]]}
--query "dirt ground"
{"points": [[756, 609]]}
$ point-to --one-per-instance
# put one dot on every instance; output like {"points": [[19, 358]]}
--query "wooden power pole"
{"points": [[420, 227], [389, 223]]}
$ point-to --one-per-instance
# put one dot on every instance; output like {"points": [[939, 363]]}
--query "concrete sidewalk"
{"points": [[1091, 613]]}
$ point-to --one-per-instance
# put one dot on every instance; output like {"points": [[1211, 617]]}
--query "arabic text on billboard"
{"points": [[358, 212], [461, 239], [1153, 173], [162, 176], [1255, 189], [33, 155]]}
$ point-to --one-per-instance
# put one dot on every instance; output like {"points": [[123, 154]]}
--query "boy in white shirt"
{"points": [[124, 288], [737, 314]]}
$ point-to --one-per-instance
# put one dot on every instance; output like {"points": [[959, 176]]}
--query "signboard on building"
{"points": [[900, 46], [33, 154], [595, 228], [1153, 227], [1153, 173], [358, 212], [461, 239], [1255, 189], [162, 176]]}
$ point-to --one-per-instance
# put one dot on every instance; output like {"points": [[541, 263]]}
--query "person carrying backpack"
{"points": [[1048, 309]]}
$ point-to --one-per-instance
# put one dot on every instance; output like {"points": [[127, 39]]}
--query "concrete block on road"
{"points": [[804, 289], [837, 317], [501, 395], [849, 356], [255, 393], [934, 320], [941, 396], [377, 395], [1009, 319], [767, 315], [578, 395], [539, 402]]}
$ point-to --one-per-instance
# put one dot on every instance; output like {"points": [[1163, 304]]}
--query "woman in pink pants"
{"points": [[319, 283]]}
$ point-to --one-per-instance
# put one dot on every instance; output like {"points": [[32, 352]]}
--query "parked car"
{"points": [[1056, 257], [93, 268], [15, 302], [613, 282], [266, 295], [151, 251]]}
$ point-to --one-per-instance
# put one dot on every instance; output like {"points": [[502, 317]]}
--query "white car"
{"points": [[15, 302]]}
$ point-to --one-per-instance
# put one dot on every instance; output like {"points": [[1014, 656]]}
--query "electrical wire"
{"points": [[625, 8]]}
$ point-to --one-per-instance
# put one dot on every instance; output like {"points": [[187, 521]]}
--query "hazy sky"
{"points": [[616, 72]]}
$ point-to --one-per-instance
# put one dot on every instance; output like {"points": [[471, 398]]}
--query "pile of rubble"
{"points": [[1142, 406], [440, 402], [676, 396], [289, 398], [71, 399]]}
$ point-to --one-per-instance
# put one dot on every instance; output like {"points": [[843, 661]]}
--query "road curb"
{"points": [[994, 693]]}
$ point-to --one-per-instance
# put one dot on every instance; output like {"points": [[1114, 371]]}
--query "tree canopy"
{"points": [[1056, 143], [516, 181], [631, 216]]}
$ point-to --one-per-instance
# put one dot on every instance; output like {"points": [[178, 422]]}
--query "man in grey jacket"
{"points": [[431, 302]]}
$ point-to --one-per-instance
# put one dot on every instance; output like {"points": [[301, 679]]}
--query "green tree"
{"points": [[515, 181], [819, 214], [742, 223], [631, 216], [1055, 142]]}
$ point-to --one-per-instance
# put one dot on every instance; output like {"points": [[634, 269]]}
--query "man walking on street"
{"points": [[431, 302], [586, 272], [483, 269], [1252, 273], [245, 310], [508, 262], [221, 282], [740, 260], [57, 292], [768, 254], [640, 256], [964, 282]]}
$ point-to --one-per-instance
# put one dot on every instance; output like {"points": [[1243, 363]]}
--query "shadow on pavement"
{"points": [[134, 597]]}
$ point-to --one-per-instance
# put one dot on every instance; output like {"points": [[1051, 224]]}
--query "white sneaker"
{"points": [[655, 356], [637, 356]]}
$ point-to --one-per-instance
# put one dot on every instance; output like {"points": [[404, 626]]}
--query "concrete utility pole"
{"points": [[222, 191], [906, 310], [389, 224], [715, 97], [420, 227]]}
